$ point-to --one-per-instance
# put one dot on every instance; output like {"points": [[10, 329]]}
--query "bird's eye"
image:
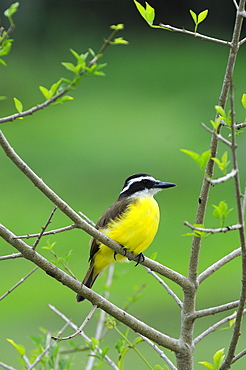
{"points": [[145, 181]]}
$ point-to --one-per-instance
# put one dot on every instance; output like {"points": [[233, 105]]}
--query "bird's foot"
{"points": [[140, 258], [124, 249]]}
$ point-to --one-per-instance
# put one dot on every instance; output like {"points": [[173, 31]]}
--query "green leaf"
{"points": [[207, 365], [3, 62], [200, 159], [220, 110], [119, 41], [19, 347], [117, 27], [149, 13], [140, 8], [63, 99], [54, 87], [5, 49], [11, 11], [69, 66], [218, 358], [221, 212], [244, 100], [46, 93], [79, 58], [223, 164], [153, 256], [194, 16], [18, 105], [202, 16]]}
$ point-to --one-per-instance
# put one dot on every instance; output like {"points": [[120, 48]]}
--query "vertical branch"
{"points": [[187, 325], [240, 210]]}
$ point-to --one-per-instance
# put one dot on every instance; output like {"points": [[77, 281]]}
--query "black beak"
{"points": [[163, 185]]}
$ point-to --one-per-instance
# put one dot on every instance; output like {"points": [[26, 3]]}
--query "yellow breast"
{"points": [[136, 228]]}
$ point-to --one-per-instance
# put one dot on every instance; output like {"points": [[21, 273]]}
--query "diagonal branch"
{"points": [[217, 265], [82, 224], [94, 298]]}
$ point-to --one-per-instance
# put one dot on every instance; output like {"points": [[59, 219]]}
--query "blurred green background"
{"points": [[156, 92]]}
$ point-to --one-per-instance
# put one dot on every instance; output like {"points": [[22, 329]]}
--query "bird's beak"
{"points": [[163, 185]]}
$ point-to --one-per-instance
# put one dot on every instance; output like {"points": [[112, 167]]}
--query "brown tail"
{"points": [[88, 281]]}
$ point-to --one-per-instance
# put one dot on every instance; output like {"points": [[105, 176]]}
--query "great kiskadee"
{"points": [[132, 221]]}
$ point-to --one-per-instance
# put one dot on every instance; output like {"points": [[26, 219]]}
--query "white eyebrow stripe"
{"points": [[137, 179]]}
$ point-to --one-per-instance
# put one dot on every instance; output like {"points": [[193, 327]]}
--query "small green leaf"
{"points": [[119, 41], [3, 62], [117, 27], [140, 8], [218, 358], [18, 105], [63, 99], [149, 13], [244, 100], [223, 164], [4, 50], [194, 16], [220, 110], [153, 256], [54, 87], [19, 347], [200, 159], [69, 66], [46, 93], [202, 16], [221, 212], [207, 365], [11, 11]]}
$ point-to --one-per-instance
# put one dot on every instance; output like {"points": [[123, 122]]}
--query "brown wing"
{"points": [[114, 211]]}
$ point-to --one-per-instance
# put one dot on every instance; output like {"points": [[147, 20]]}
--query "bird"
{"points": [[132, 221]]}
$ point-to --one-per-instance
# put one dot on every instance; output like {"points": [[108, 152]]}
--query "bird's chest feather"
{"points": [[136, 227]]}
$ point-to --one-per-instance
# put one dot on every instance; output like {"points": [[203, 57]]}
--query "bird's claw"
{"points": [[140, 258]]}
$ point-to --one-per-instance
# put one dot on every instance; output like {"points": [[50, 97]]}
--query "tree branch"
{"points": [[94, 298], [19, 282], [213, 231], [223, 178], [195, 34], [82, 224], [75, 327], [217, 265]]}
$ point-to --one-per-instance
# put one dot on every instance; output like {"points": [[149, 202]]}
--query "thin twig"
{"points": [[19, 283], [10, 256], [235, 3], [217, 265], [80, 329], [238, 356], [75, 327], [223, 178], [51, 232], [239, 126], [44, 228], [213, 231], [214, 327], [160, 352], [48, 346], [219, 136], [195, 34], [101, 321], [213, 310], [87, 218], [7, 367], [169, 291], [242, 41]]}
